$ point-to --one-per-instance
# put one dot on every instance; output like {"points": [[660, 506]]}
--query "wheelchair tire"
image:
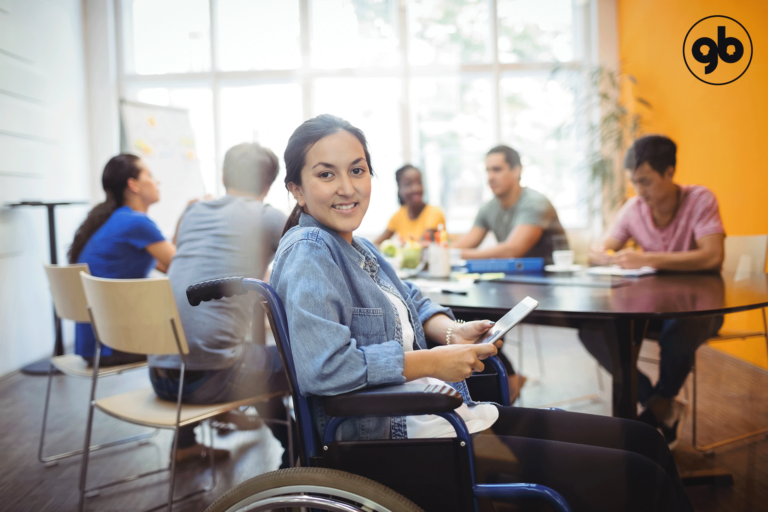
{"points": [[328, 485]]}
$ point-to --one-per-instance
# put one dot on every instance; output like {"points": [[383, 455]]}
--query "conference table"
{"points": [[629, 307]]}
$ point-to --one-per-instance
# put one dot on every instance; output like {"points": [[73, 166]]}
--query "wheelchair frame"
{"points": [[398, 400]]}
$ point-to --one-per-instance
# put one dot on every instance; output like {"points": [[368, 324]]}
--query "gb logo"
{"points": [[714, 39]]}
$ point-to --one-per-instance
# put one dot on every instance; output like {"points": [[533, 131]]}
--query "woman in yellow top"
{"points": [[414, 218]]}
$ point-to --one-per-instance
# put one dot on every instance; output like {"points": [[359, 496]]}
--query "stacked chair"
{"points": [[70, 304], [139, 316], [744, 255]]}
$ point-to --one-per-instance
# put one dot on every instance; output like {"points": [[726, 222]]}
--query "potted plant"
{"points": [[610, 113]]}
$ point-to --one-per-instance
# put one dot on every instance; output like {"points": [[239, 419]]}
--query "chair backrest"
{"points": [[746, 254], [134, 315], [67, 290], [279, 323]]}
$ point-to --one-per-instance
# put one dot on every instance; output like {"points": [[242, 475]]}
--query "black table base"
{"points": [[41, 367]]}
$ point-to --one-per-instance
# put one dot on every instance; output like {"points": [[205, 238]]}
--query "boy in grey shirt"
{"points": [[236, 235], [523, 220]]}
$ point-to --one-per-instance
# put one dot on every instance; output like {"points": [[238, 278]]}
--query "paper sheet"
{"points": [[618, 271]]}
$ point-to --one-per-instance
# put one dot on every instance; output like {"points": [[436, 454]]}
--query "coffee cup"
{"points": [[439, 260], [562, 259]]}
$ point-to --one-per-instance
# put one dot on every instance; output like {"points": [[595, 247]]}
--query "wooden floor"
{"points": [[733, 399]]}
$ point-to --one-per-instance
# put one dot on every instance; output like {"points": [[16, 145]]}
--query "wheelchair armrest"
{"points": [[401, 400], [215, 289]]}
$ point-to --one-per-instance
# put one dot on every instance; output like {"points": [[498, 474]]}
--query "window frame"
{"points": [[583, 40]]}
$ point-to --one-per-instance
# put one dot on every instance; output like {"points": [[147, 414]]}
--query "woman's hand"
{"points": [[449, 363], [453, 363], [469, 332]]}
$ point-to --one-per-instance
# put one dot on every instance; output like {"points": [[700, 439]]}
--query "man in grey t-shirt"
{"points": [[524, 221], [236, 235]]}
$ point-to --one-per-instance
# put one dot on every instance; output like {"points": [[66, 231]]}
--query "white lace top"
{"points": [[478, 417]]}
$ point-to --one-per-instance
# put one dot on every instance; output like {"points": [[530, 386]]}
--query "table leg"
{"points": [[59, 344], [41, 367], [629, 336]]}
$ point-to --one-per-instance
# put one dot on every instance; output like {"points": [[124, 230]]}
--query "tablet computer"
{"points": [[508, 321]]}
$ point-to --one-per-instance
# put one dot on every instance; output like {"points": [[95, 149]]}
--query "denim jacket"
{"points": [[345, 332]]}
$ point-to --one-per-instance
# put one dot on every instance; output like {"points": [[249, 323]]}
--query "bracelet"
{"points": [[450, 331]]}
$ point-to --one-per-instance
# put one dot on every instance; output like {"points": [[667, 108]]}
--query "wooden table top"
{"points": [[664, 295]]}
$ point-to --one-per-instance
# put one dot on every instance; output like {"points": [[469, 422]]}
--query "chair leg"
{"points": [[52, 460], [520, 359], [600, 385], [45, 419], [290, 435], [87, 444], [539, 352], [174, 449], [709, 448], [593, 396], [213, 461]]}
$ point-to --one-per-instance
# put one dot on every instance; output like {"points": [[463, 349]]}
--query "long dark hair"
{"points": [[303, 138], [114, 181], [398, 176]]}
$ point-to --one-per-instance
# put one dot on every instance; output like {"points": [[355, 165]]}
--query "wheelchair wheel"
{"points": [[312, 488]]}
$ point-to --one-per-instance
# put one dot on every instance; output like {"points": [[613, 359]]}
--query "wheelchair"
{"points": [[382, 475]]}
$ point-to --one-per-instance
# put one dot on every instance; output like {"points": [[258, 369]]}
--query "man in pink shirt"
{"points": [[678, 228]]}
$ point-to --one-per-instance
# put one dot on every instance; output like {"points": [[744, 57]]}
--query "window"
{"points": [[258, 35], [449, 32], [453, 129], [432, 82], [263, 113]]}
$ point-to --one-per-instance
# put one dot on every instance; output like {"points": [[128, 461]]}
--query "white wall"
{"points": [[44, 154]]}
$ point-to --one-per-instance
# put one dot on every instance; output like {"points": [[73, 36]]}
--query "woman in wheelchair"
{"points": [[354, 324]]}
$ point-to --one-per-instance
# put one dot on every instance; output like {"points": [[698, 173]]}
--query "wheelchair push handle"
{"points": [[215, 289]]}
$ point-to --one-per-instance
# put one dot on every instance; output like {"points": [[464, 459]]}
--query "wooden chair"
{"points": [[744, 255], [139, 316], [70, 304]]}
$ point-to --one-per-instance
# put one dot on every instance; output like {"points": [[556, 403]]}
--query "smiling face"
{"points": [[335, 183], [501, 177], [410, 188], [651, 186]]}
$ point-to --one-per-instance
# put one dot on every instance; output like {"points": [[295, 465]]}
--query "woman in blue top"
{"points": [[354, 324], [117, 240]]}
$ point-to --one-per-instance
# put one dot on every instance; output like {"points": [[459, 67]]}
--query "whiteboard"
{"points": [[163, 138]]}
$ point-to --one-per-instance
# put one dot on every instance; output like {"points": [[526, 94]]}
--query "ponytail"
{"points": [[96, 218], [293, 219], [114, 181]]}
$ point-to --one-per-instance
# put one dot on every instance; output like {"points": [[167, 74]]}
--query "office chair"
{"points": [[139, 316], [743, 255], [70, 304]]}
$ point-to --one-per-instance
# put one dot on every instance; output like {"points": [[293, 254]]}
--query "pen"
{"points": [[455, 292]]}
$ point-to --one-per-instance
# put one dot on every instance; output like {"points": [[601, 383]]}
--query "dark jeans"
{"points": [[597, 463], [678, 340], [259, 371], [116, 358]]}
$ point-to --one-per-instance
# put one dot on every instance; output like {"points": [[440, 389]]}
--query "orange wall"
{"points": [[721, 131]]}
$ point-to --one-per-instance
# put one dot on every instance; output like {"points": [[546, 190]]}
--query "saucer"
{"points": [[570, 268]]}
